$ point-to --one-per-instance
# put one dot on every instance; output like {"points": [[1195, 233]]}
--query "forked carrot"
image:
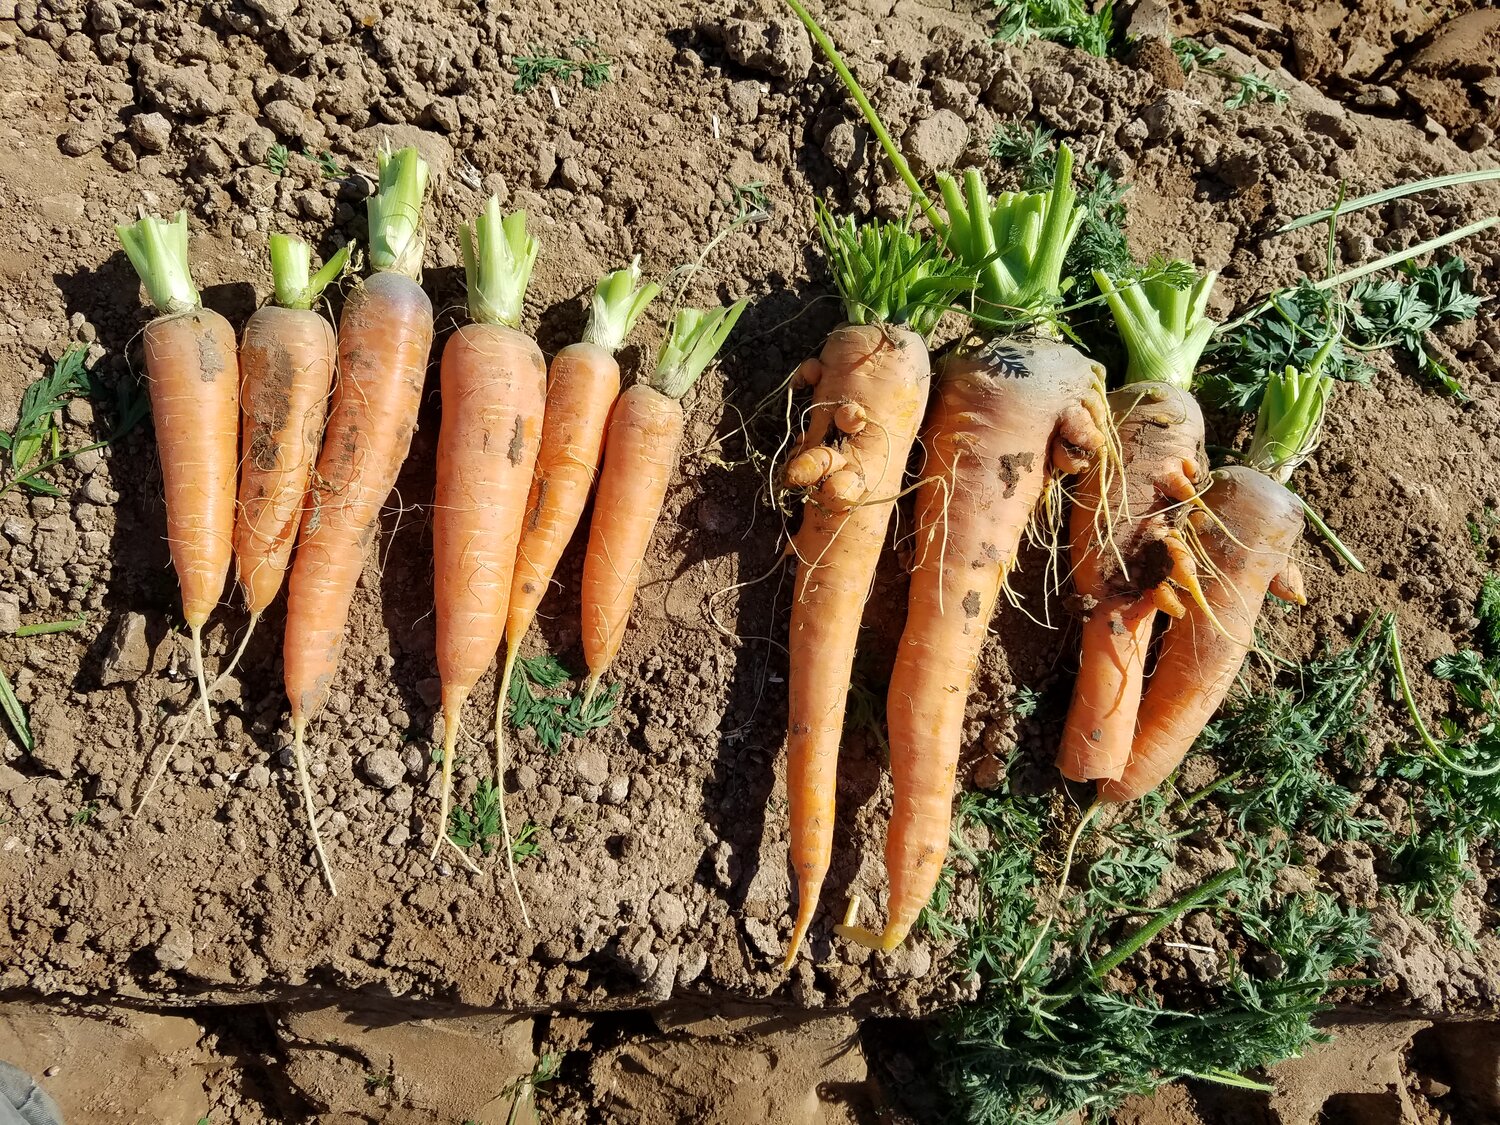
{"points": [[640, 452], [192, 375], [494, 392], [385, 335]]}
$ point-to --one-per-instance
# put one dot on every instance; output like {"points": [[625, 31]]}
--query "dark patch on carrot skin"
{"points": [[517, 443], [989, 555], [536, 511], [1096, 735], [971, 604], [529, 587], [1012, 467], [801, 728]]}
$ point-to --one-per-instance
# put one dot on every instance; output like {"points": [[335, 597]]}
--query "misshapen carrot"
{"points": [[1248, 533], [869, 389], [192, 375], [494, 391], [640, 452], [385, 335]]}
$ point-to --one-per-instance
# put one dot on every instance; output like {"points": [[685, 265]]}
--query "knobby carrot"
{"points": [[1006, 418], [582, 386], [286, 370], [193, 378], [385, 335], [1129, 551], [640, 452], [494, 391], [869, 387]]}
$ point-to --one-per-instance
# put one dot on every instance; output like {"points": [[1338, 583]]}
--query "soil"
{"points": [[662, 871]]}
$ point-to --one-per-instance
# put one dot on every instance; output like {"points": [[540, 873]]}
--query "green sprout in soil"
{"points": [[1073, 23], [533, 69], [1191, 54], [278, 156], [327, 164], [478, 826], [15, 714], [1251, 89], [83, 814], [555, 715], [523, 1091]]}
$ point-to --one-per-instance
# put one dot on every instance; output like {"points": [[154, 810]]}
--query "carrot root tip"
{"points": [[299, 755]]}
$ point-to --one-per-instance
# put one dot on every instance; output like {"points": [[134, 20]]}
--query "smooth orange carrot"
{"points": [[286, 372], [494, 391], [640, 452], [1128, 555], [193, 377], [1003, 420], [582, 387], [385, 335], [1247, 541]]}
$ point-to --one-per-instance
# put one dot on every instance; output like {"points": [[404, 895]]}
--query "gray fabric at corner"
{"points": [[23, 1102]]}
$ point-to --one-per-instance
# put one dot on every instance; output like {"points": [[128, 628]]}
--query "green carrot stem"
{"points": [[397, 232], [696, 337], [498, 257], [158, 249], [291, 264], [619, 300]]}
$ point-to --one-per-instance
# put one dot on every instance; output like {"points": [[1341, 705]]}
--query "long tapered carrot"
{"points": [[494, 391], [640, 452], [287, 357], [582, 386], [193, 378], [385, 335], [869, 389], [1247, 540]]}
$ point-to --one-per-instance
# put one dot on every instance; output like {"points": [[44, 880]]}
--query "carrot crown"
{"points": [[1163, 325], [397, 234], [887, 274], [158, 249], [1015, 242], [619, 300], [697, 335], [1290, 418], [498, 256], [291, 264]]}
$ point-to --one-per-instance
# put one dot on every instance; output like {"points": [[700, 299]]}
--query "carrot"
{"points": [[286, 370], [582, 386], [1130, 554], [193, 378], [869, 387], [1007, 417], [494, 391], [1251, 523], [640, 452], [385, 335], [1248, 540]]}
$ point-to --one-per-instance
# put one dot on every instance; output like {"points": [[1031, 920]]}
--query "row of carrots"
{"points": [[296, 437]]}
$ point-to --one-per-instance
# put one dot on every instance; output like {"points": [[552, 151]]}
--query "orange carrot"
{"points": [[494, 392], [385, 335], [286, 370], [640, 452], [193, 377], [581, 390], [1247, 542]]}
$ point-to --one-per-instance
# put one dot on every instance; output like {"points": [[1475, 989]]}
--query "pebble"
{"points": [[592, 766], [128, 657], [258, 777], [616, 790], [175, 950], [743, 100], [83, 137], [383, 768], [96, 490], [152, 131]]}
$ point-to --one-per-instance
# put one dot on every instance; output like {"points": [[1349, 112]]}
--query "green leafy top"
{"points": [[697, 335], [1015, 242], [397, 233], [888, 274], [1162, 323], [158, 249], [498, 256], [291, 262], [619, 300]]}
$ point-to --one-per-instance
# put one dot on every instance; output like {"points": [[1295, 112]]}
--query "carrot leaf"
{"points": [[158, 249], [397, 233], [498, 256], [696, 337], [1162, 323], [15, 714], [619, 300], [291, 264]]}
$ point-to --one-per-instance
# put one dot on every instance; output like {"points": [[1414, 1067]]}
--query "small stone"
{"points": [[121, 156], [691, 963], [572, 174], [175, 950], [128, 657], [258, 776], [383, 768], [315, 205], [290, 121], [10, 613], [17, 530], [764, 938], [76, 47], [187, 91], [936, 142], [104, 16], [84, 137], [1478, 136], [152, 131], [845, 147], [616, 790], [96, 490], [398, 835], [668, 912], [443, 113], [592, 766]]}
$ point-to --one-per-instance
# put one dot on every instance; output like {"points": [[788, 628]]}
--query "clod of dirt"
{"points": [[936, 142], [128, 657], [779, 47], [384, 769], [152, 131]]}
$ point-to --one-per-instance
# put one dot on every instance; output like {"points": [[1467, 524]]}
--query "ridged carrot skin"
{"points": [[1002, 419], [582, 387], [494, 382], [640, 452], [1255, 526], [875, 379], [385, 336], [1129, 557], [192, 375], [286, 371]]}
